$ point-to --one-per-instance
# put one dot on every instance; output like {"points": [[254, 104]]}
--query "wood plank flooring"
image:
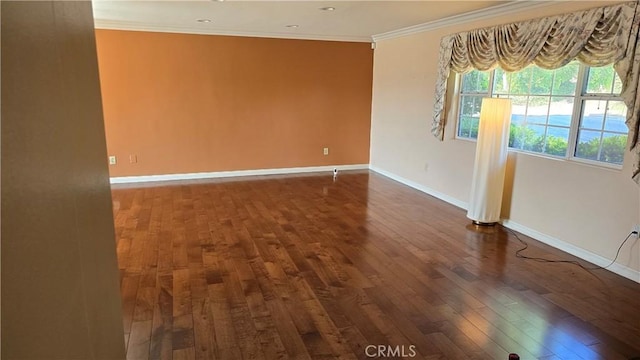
{"points": [[305, 267]]}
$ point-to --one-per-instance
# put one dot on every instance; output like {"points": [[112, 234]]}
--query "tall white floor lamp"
{"points": [[491, 161]]}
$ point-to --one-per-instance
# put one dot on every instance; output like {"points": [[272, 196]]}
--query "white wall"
{"points": [[586, 210]]}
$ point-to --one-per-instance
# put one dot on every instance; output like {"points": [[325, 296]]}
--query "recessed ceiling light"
{"points": [[293, 26], [328, 8], [204, 20]]}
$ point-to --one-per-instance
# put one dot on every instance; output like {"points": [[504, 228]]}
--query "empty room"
{"points": [[320, 180]]}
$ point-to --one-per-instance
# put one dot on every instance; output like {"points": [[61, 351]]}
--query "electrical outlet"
{"points": [[325, 151], [133, 159], [112, 160]]}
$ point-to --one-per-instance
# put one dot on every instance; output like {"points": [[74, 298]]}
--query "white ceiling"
{"points": [[351, 20]]}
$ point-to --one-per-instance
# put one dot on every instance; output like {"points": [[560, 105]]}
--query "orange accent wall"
{"points": [[198, 103]]}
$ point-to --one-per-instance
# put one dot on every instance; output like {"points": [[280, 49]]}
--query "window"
{"points": [[571, 112]]}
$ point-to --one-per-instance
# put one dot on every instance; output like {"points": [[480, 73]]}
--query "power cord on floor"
{"points": [[573, 262]]}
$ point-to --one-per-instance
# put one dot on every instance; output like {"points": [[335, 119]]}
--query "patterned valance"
{"points": [[595, 37]]}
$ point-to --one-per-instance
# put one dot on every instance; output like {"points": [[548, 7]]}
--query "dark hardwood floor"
{"points": [[304, 267]]}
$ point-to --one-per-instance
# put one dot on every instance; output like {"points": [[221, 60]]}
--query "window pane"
{"points": [[565, 80], [593, 114], [518, 109], [520, 81], [468, 127], [543, 104], [616, 116], [556, 141], [470, 105], [560, 111], [613, 148], [519, 104], [469, 116], [600, 80], [463, 127], [517, 135], [538, 109], [541, 81], [534, 138], [501, 81], [475, 82], [588, 144]]}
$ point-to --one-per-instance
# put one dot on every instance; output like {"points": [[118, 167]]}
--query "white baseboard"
{"points": [[223, 174], [583, 254], [424, 189], [598, 260]]}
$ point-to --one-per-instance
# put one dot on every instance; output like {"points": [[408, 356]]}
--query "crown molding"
{"points": [[494, 11], [140, 26]]}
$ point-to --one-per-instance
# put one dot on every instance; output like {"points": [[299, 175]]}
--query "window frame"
{"points": [[580, 97]]}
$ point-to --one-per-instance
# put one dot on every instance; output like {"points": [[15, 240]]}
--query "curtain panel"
{"points": [[595, 37]]}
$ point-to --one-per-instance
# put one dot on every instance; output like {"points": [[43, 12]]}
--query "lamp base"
{"points": [[480, 223]]}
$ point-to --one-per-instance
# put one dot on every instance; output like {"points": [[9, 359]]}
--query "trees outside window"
{"points": [[571, 112]]}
